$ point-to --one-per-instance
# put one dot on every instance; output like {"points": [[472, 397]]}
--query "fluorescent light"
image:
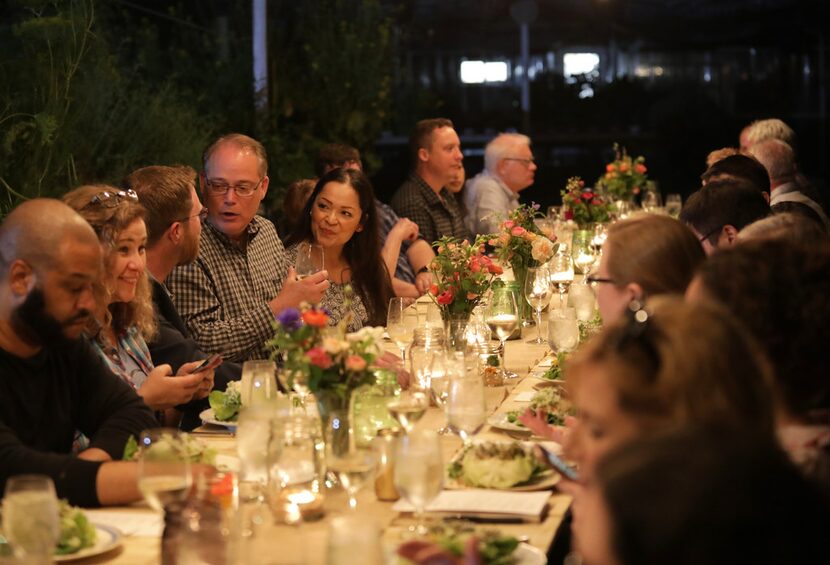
{"points": [[473, 72]]}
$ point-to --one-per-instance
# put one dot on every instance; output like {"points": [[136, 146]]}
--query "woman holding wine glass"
{"points": [[340, 218]]}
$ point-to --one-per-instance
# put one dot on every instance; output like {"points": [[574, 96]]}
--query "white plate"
{"points": [[527, 554], [546, 480], [107, 538], [500, 422], [208, 418]]}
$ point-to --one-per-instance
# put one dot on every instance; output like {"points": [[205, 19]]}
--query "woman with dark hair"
{"points": [[124, 319], [340, 217]]}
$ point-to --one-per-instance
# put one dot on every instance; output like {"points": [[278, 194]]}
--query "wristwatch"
{"points": [[423, 269]]}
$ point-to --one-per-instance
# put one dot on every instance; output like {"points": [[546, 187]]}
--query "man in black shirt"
{"points": [[51, 382]]}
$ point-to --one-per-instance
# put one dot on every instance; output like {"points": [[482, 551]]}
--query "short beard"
{"points": [[34, 325], [190, 249]]}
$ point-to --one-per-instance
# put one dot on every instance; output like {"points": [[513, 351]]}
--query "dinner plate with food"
{"points": [[499, 465], [80, 538], [550, 400]]}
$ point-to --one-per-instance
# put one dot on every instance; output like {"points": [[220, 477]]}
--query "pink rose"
{"points": [[518, 231], [355, 363], [445, 298], [507, 224], [319, 357]]}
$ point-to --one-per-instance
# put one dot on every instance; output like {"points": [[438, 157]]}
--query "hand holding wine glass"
{"points": [[537, 293]]}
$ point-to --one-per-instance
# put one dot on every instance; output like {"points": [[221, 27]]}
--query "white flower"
{"points": [[541, 249], [371, 337], [333, 346]]}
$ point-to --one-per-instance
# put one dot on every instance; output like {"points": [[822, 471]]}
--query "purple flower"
{"points": [[535, 206], [290, 319]]}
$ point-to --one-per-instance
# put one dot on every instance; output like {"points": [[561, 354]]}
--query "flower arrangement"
{"points": [[624, 177], [463, 273], [519, 241], [583, 205], [334, 361]]}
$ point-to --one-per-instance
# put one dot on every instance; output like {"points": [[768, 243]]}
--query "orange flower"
{"points": [[609, 168], [433, 290], [316, 318], [623, 167], [640, 168]]}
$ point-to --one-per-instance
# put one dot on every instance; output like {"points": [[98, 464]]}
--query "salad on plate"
{"points": [[499, 465]]}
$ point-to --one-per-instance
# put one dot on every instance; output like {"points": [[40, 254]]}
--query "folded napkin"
{"points": [[485, 503]]}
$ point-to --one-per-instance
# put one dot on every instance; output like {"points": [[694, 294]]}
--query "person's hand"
{"points": [[405, 229], [309, 289], [204, 388], [163, 390], [392, 362], [423, 281], [94, 454]]}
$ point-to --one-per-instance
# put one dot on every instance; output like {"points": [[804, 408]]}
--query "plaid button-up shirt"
{"points": [[223, 296], [387, 218], [436, 217]]}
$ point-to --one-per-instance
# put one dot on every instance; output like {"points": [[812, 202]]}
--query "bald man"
{"points": [[51, 382]]}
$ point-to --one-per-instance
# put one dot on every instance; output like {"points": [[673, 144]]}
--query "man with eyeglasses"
{"points": [[493, 193], [423, 197], [174, 226], [53, 382], [241, 279]]}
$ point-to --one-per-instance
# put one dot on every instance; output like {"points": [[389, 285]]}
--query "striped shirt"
{"points": [[223, 296], [387, 218], [436, 216]]}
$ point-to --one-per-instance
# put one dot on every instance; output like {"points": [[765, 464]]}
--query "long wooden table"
{"points": [[521, 357]]}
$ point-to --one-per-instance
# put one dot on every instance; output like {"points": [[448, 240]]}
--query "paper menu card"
{"points": [[529, 506]]}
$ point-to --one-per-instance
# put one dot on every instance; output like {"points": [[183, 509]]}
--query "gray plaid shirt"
{"points": [[223, 296], [436, 217]]}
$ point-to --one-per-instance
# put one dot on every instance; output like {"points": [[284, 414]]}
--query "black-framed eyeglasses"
{"points": [[525, 162], [112, 198], [597, 279], [203, 213], [709, 234], [243, 189]]}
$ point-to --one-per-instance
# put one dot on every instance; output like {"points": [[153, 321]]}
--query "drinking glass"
{"points": [[502, 315], [297, 464], [466, 407], [561, 268], [354, 465], [163, 467], [563, 330], [310, 260], [652, 201], [254, 432], [545, 226], [674, 203], [401, 321], [537, 293], [555, 213], [582, 298], [30, 517], [409, 407], [433, 316], [258, 383], [598, 238], [584, 253], [419, 472], [296, 381]]}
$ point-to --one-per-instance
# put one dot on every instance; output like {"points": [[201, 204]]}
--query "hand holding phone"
{"points": [[211, 362], [556, 463]]}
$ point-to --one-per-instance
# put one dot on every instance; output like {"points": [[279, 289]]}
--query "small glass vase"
{"points": [[330, 404], [525, 311], [455, 330]]}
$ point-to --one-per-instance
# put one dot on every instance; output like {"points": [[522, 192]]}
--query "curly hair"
{"points": [[108, 222]]}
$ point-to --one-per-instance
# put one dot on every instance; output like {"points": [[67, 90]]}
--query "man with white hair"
{"points": [[762, 130], [785, 189], [509, 168]]}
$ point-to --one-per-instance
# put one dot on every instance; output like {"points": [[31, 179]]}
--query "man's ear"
{"points": [[728, 235], [174, 233], [423, 155], [22, 277]]}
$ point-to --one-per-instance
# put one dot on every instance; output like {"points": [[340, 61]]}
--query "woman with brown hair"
{"points": [[643, 256], [124, 319]]}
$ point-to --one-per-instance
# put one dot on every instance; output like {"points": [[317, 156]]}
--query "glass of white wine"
{"points": [[354, 466], [30, 517], [537, 294], [163, 467], [401, 321], [502, 315], [466, 405], [561, 271], [408, 408], [419, 472], [310, 260]]}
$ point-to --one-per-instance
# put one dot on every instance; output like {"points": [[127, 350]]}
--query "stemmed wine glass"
{"points": [[30, 517], [466, 405], [502, 315], [163, 467], [401, 321], [584, 252], [419, 472], [408, 408], [561, 271], [354, 465], [537, 293], [442, 369], [310, 259]]}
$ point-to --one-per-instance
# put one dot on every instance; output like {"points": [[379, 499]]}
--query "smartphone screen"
{"points": [[212, 361], [558, 464]]}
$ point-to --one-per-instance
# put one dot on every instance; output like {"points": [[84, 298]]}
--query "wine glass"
{"points": [[163, 467], [354, 466], [296, 381], [419, 472], [502, 315], [584, 252], [652, 201], [409, 407], [254, 432], [561, 271], [258, 383], [401, 321], [30, 517], [563, 330], [442, 369], [674, 203], [310, 259], [466, 406], [537, 293]]}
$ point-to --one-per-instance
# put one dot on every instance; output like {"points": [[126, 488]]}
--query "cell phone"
{"points": [[556, 463], [212, 361]]}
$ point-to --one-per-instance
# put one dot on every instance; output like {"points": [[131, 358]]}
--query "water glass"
{"points": [[296, 465], [466, 405], [419, 472], [581, 297], [310, 260], [354, 465], [30, 517], [258, 384], [563, 330], [674, 203], [163, 467], [401, 321], [254, 434], [652, 201]]}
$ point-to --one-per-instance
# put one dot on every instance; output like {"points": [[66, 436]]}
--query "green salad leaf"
{"points": [[76, 530], [130, 449], [196, 450], [226, 404]]}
